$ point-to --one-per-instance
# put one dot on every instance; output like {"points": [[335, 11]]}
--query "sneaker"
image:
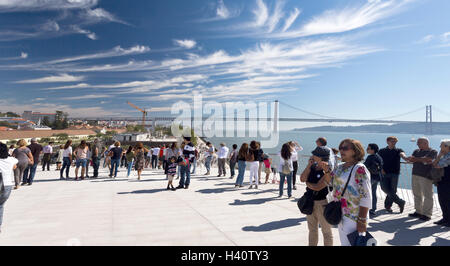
{"points": [[372, 213], [186, 187], [180, 187], [256, 187], [23, 184], [389, 210], [219, 176], [295, 188], [415, 215], [251, 186], [424, 218]]}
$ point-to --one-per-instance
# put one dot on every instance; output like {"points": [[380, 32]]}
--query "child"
{"points": [[267, 167], [171, 172]]}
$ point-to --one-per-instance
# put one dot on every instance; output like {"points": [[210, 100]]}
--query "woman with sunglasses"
{"points": [[357, 199]]}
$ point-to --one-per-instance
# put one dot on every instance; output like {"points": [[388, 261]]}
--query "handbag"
{"points": [[333, 210], [436, 175], [306, 203]]}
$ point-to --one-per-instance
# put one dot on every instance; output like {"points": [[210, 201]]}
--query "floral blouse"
{"points": [[358, 191]]}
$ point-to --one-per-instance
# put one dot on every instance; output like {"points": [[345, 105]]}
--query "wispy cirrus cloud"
{"points": [[53, 79], [40, 5], [74, 17]]}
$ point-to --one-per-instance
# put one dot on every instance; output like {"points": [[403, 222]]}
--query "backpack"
{"points": [[286, 169]]}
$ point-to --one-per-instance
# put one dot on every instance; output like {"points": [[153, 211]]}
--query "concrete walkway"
{"points": [[211, 212]]}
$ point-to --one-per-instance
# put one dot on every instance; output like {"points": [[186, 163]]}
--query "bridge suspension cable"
{"points": [[400, 115], [307, 112], [441, 111]]}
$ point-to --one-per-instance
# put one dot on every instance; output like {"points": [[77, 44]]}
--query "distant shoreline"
{"points": [[404, 128]]}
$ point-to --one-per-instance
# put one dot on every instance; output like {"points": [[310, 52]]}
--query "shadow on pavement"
{"points": [[150, 191], [253, 201], [216, 190], [403, 235], [275, 225]]}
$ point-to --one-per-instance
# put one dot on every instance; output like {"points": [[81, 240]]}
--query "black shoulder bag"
{"points": [[333, 210], [306, 203]]}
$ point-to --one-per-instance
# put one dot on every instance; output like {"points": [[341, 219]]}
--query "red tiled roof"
{"points": [[27, 134]]}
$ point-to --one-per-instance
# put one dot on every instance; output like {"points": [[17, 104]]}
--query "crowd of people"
{"points": [[345, 174]]}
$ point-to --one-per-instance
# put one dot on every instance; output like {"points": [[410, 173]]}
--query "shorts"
{"points": [[170, 177], [268, 171], [81, 162]]}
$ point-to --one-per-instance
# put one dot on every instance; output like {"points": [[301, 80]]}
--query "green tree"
{"points": [[46, 122], [60, 121]]}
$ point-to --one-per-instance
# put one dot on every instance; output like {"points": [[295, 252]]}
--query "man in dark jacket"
{"points": [[374, 164], [391, 171]]}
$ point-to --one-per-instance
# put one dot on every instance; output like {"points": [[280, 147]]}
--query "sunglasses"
{"points": [[344, 148]]}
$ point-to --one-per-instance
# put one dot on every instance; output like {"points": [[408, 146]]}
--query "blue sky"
{"points": [[348, 59]]}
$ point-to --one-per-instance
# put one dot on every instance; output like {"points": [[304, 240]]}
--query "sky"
{"points": [[359, 59]]}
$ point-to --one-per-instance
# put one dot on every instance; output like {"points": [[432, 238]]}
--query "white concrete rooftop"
{"points": [[211, 212]]}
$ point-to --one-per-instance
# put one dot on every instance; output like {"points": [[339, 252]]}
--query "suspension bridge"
{"points": [[316, 118]]}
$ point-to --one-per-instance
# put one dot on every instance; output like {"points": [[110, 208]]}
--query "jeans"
{"points": [[195, 166], [96, 165], [208, 163], [389, 184], [114, 167], [185, 172], [66, 166], [289, 183], [241, 173], [232, 168], [130, 168], [29, 173], [154, 161], [3, 198], [374, 182], [46, 161]]}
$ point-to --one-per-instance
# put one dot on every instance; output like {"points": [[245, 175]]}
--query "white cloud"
{"points": [[23, 55], [348, 18], [97, 15], [222, 11], [87, 97], [53, 79], [39, 5], [261, 13], [89, 34], [274, 19], [188, 44], [291, 19], [115, 52]]}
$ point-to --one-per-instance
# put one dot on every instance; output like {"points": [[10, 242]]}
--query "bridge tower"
{"points": [[429, 120]]}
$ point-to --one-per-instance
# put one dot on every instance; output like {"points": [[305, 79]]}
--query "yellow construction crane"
{"points": [[144, 113]]}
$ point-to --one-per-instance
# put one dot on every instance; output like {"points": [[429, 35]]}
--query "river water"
{"points": [[307, 141]]}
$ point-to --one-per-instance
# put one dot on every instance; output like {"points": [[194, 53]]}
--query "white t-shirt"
{"points": [[294, 155], [6, 168], [223, 153], [67, 152], [280, 166], [156, 151]]}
